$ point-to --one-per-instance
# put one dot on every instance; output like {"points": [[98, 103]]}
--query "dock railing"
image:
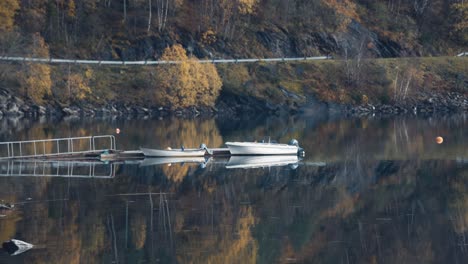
{"points": [[56, 147]]}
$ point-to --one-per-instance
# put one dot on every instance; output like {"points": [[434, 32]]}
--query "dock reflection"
{"points": [[56, 168]]}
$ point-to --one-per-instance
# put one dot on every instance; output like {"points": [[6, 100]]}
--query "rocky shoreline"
{"points": [[228, 106], [424, 103], [231, 106]]}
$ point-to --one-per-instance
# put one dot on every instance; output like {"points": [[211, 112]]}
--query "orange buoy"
{"points": [[439, 140], [117, 130]]}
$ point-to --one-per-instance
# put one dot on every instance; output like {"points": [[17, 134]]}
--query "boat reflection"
{"points": [[249, 162], [172, 160]]}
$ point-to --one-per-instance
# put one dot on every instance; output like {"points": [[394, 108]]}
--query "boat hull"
{"points": [[173, 152], [253, 148]]}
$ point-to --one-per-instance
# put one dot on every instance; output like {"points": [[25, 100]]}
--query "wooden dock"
{"points": [[101, 147]]}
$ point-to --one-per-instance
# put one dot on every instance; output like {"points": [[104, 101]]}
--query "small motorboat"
{"points": [[250, 162], [169, 152], [263, 148]]}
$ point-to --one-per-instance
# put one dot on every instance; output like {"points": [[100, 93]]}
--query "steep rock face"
{"points": [[270, 41], [358, 39]]}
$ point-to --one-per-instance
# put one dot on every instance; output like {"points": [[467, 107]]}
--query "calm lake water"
{"points": [[375, 190]]}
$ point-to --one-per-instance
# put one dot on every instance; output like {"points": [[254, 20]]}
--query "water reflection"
{"points": [[172, 160], [369, 191], [56, 168], [249, 162]]}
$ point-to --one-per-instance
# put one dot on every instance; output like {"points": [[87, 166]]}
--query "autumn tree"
{"points": [[187, 82], [247, 6], [138, 230], [460, 21], [344, 10], [71, 12], [8, 9], [33, 16], [35, 79], [78, 85]]}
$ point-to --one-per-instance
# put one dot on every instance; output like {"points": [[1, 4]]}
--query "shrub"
{"points": [[187, 82]]}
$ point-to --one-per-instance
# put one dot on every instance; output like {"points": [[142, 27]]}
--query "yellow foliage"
{"points": [[37, 82], [235, 76], [242, 248], [8, 9], [345, 205], [71, 8], [176, 172], [462, 10], [461, 20], [138, 229], [79, 85], [191, 134], [346, 10], [292, 86], [344, 7], [35, 79], [176, 52], [39, 47], [208, 37], [365, 99], [188, 82], [247, 6]]}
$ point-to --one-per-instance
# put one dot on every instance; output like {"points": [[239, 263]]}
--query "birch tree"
{"points": [[188, 83], [150, 13], [35, 78], [162, 10]]}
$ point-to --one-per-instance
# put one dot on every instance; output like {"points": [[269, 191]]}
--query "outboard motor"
{"points": [[209, 152], [294, 142], [300, 151]]}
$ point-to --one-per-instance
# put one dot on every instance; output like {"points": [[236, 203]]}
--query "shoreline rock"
{"points": [[233, 106], [428, 103]]}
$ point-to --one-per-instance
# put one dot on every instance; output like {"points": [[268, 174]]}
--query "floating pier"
{"points": [[71, 147], [91, 148]]}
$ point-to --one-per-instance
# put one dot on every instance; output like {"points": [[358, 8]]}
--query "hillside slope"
{"points": [[353, 32], [139, 29]]}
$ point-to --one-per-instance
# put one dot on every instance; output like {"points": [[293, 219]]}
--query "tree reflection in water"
{"points": [[386, 193]]}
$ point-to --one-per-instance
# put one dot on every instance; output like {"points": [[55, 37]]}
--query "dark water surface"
{"points": [[368, 191]]}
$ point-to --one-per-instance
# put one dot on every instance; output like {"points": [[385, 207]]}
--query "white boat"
{"points": [[262, 148], [173, 152], [249, 162]]}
